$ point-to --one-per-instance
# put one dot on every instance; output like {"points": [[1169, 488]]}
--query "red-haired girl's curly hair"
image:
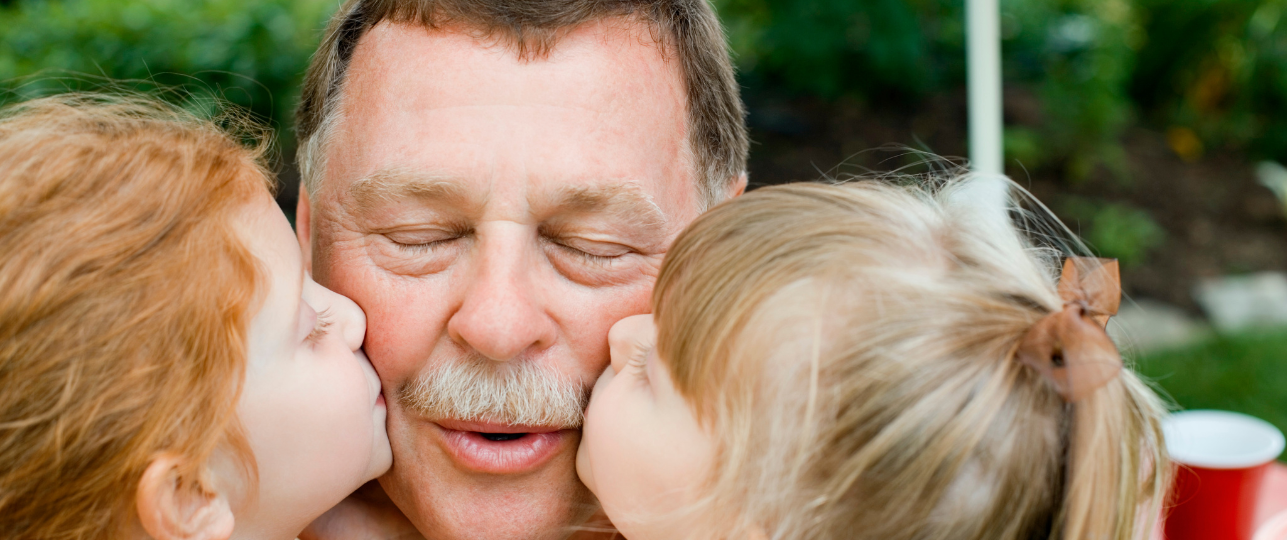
{"points": [[125, 297]]}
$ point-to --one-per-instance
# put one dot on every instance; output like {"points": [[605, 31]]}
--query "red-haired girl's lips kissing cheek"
{"points": [[500, 448]]}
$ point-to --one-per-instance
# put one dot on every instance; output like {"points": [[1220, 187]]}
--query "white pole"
{"points": [[983, 50], [983, 62]]}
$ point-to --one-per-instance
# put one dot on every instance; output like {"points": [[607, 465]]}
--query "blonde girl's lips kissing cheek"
{"points": [[373, 378]]}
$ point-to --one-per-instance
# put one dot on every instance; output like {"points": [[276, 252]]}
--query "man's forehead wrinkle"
{"points": [[390, 185], [431, 106], [388, 48]]}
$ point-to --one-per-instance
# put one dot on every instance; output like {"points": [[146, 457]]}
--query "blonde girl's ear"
{"points": [[174, 508]]}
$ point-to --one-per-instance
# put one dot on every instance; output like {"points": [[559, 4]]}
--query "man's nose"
{"points": [[503, 314]]}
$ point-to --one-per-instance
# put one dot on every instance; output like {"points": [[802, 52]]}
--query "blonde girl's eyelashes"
{"points": [[320, 328]]}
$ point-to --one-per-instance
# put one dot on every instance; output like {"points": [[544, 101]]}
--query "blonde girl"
{"points": [[872, 361], [167, 369]]}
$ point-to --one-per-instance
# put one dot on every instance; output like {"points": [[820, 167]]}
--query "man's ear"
{"points": [[303, 227], [738, 186], [174, 508]]}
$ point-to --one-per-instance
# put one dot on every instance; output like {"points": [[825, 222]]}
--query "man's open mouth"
{"points": [[502, 437], [501, 449]]}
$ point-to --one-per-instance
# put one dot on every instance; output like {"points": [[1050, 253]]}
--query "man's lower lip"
{"points": [[522, 453]]}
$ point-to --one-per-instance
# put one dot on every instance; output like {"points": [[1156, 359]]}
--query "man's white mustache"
{"points": [[474, 389]]}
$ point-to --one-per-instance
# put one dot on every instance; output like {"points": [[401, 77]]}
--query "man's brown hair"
{"points": [[687, 29]]}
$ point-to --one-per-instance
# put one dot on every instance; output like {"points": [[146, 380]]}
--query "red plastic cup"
{"points": [[1222, 457]]}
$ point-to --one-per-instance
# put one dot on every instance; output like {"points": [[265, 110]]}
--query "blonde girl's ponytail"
{"points": [[1113, 441], [1117, 473]]}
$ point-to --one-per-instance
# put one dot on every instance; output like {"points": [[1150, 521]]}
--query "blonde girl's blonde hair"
{"points": [[125, 297], [851, 349]]}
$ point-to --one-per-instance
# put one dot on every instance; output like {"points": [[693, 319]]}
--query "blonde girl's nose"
{"points": [[631, 337]]}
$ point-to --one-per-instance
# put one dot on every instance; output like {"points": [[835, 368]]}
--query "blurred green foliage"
{"points": [[1077, 55], [1213, 72], [1216, 68], [889, 49], [1240, 373], [250, 53], [1115, 230]]}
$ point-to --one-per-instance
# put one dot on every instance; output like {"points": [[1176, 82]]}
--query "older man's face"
{"points": [[494, 217]]}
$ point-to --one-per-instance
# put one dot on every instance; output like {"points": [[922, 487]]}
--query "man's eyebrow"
{"points": [[626, 201], [387, 185]]}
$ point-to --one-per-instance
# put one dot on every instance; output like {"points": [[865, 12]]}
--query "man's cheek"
{"points": [[633, 300], [608, 307], [400, 337]]}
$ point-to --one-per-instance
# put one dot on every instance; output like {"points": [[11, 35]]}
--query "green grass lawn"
{"points": [[1244, 373]]}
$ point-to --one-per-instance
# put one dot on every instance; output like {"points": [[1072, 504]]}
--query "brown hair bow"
{"points": [[1070, 347]]}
